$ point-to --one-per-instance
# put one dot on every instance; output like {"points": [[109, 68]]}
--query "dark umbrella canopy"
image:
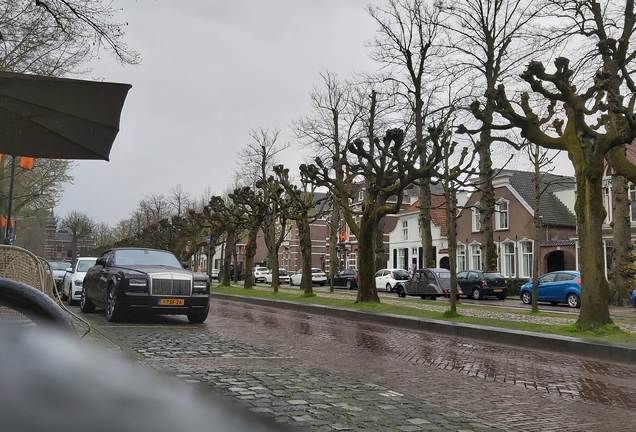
{"points": [[58, 118]]}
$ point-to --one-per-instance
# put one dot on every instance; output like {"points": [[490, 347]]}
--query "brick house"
{"points": [[513, 225]]}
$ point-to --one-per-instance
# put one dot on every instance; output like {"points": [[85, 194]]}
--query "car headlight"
{"points": [[200, 284], [78, 282], [137, 282]]}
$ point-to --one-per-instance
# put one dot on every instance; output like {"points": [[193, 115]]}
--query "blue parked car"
{"points": [[632, 301], [556, 287]]}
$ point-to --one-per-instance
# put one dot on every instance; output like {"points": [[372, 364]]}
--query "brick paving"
{"points": [[328, 374]]}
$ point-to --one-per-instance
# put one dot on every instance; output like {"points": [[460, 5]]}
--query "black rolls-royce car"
{"points": [[136, 279]]}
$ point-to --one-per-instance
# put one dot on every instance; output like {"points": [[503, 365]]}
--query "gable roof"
{"points": [[552, 209], [438, 211]]}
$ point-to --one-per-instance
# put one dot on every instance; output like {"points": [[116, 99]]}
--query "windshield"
{"points": [[84, 265], [493, 275], [145, 257], [401, 273], [443, 275], [59, 265]]}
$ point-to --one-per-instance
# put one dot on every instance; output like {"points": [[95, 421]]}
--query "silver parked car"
{"points": [[428, 284]]}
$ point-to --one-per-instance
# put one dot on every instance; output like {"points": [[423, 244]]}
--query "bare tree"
{"points": [[80, 226], [407, 32], [488, 40], [57, 37], [333, 123], [179, 201], [103, 234]]}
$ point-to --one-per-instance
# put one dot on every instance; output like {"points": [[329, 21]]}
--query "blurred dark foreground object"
{"points": [[52, 382]]}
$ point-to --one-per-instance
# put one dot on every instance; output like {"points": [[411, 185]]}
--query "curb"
{"points": [[558, 343]]}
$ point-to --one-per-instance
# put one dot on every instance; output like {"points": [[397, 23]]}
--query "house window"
{"points": [[360, 195], [608, 246], [526, 259], [476, 221], [461, 257], [405, 230], [632, 203], [401, 259], [502, 215], [475, 257], [508, 259]]}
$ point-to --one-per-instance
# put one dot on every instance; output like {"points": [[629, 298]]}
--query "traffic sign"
{"points": [[208, 239]]}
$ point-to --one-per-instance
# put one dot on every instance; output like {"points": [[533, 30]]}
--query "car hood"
{"points": [[154, 269], [78, 275]]}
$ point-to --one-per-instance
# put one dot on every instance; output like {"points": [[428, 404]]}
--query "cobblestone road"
{"points": [[330, 374]]}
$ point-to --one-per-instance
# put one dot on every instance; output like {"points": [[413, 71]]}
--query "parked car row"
{"points": [[554, 287]]}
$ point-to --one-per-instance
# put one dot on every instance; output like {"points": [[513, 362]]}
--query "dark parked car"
{"points": [[144, 280], [427, 283], [477, 284], [555, 287], [346, 278]]}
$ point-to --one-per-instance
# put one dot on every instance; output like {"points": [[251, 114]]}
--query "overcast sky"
{"points": [[211, 70]]}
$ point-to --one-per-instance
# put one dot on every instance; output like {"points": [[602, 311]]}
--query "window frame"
{"points": [[505, 214]]}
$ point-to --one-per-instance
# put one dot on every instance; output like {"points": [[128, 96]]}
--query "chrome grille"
{"points": [[171, 287]]}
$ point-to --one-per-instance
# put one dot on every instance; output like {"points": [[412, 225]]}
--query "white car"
{"points": [[317, 277], [59, 269], [214, 273], [260, 273], [74, 278], [389, 279], [283, 277]]}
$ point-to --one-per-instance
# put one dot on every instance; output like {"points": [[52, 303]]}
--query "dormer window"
{"points": [[361, 195]]}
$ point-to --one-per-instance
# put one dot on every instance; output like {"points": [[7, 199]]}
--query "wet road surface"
{"points": [[331, 374]]}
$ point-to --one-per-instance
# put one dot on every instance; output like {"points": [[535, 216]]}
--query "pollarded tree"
{"points": [[254, 209], [387, 172], [333, 122], [302, 208], [594, 118]]}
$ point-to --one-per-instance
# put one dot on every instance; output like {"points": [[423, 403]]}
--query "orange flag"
{"points": [[26, 162]]}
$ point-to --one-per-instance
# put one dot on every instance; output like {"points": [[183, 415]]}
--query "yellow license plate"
{"points": [[172, 302], [498, 290]]}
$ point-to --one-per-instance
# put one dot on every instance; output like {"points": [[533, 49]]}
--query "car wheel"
{"points": [[86, 305], [349, 285], [526, 297], [69, 297], [401, 292], [388, 288], [477, 295], [501, 297], [198, 317], [113, 314], [63, 293], [573, 300]]}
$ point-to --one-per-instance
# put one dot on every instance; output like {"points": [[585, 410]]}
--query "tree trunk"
{"points": [[451, 225], [425, 223], [227, 258], [304, 234], [622, 258], [537, 229], [487, 207], [367, 291], [380, 252], [250, 251], [590, 215], [334, 228]]}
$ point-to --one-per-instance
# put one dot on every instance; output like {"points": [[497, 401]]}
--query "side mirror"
{"points": [[69, 270], [101, 261], [185, 265]]}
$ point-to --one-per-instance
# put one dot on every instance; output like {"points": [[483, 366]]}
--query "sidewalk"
{"points": [[573, 345]]}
